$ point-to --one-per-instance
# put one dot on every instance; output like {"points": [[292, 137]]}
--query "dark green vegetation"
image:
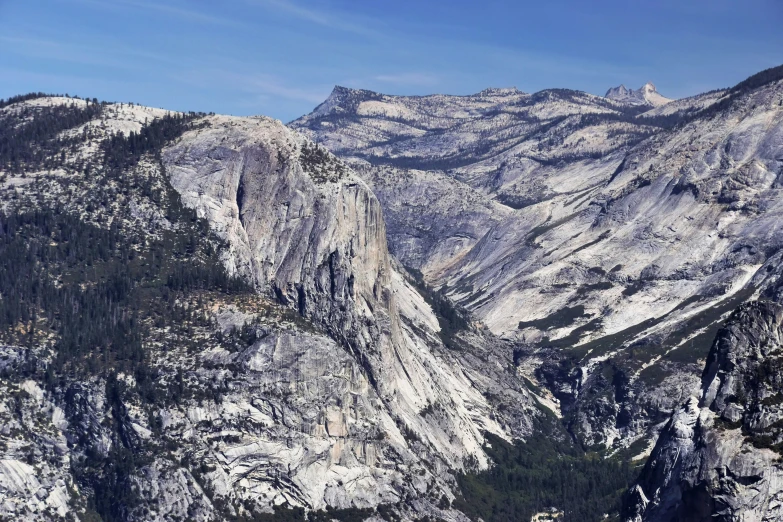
{"points": [[121, 152], [21, 98], [286, 513], [746, 86], [549, 469], [91, 295], [574, 336], [694, 349], [560, 319], [546, 471], [759, 79], [450, 318], [320, 164], [29, 138], [90, 287]]}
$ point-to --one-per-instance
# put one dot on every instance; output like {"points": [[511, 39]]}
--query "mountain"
{"points": [[645, 95], [608, 241], [201, 321], [501, 306], [500, 149]]}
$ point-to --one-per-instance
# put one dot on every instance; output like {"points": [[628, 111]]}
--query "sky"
{"points": [[282, 58]]}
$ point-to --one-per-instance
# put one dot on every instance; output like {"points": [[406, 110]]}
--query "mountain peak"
{"points": [[343, 98], [647, 94]]}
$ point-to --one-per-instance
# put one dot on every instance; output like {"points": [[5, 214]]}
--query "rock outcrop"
{"points": [[308, 231], [645, 95], [272, 351], [718, 458]]}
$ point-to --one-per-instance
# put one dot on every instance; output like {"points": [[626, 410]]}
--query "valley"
{"points": [[493, 306]]}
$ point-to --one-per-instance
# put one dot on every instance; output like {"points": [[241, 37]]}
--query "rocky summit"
{"points": [[645, 95], [501, 306]]}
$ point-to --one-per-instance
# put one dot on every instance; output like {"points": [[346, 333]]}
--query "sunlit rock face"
{"points": [[311, 234], [647, 94], [598, 248]]}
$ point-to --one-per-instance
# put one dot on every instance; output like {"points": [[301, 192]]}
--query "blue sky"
{"points": [[282, 57]]}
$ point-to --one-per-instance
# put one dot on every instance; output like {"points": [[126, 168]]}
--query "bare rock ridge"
{"points": [[499, 149], [645, 95], [718, 457], [214, 318]]}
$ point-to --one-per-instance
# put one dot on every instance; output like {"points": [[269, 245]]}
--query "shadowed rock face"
{"points": [[718, 457]]}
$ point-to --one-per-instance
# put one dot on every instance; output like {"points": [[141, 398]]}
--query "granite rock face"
{"points": [[645, 95], [718, 458], [316, 240], [594, 248], [329, 387], [475, 158]]}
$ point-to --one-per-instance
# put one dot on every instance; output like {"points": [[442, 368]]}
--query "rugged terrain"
{"points": [[645, 95], [718, 457], [256, 345], [397, 308], [607, 239]]}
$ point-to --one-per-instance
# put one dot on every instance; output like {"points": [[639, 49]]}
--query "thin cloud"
{"points": [[167, 9], [549, 63], [410, 78], [186, 14], [269, 85], [263, 86], [58, 83], [105, 56], [52, 50], [316, 17]]}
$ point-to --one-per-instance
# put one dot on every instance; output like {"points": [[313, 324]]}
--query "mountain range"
{"points": [[498, 306]]}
